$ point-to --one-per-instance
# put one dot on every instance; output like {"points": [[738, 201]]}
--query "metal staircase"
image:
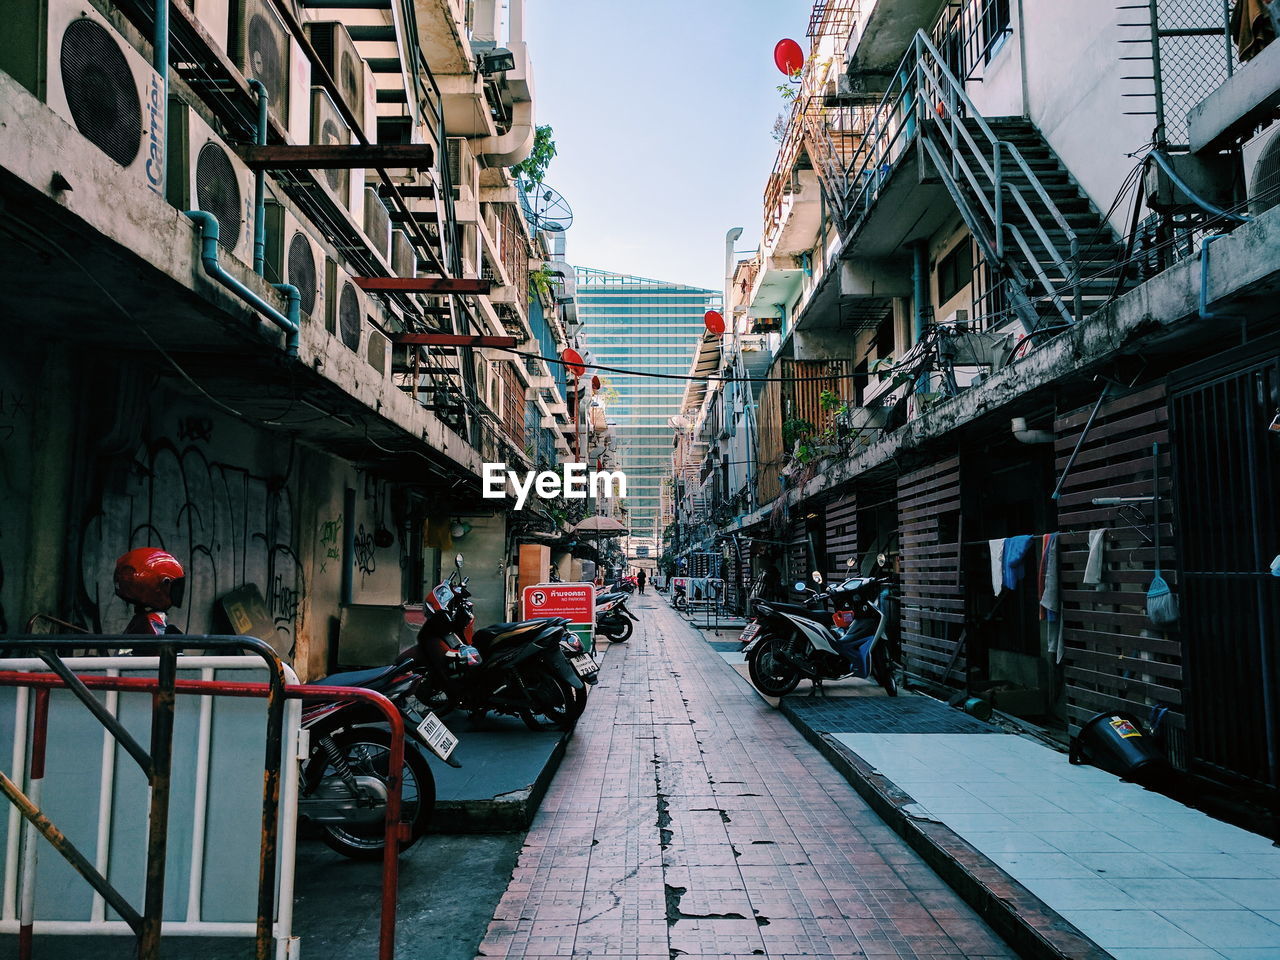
{"points": [[1035, 226]]}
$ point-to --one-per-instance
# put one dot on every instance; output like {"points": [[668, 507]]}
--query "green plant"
{"points": [[541, 282], [534, 167], [795, 430]]}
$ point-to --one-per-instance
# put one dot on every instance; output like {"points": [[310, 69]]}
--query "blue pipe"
{"points": [[1163, 162], [160, 61], [260, 186], [207, 224], [919, 285], [1204, 273]]}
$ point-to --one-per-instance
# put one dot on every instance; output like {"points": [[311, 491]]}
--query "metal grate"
{"points": [[218, 192], [302, 270], [101, 91]]}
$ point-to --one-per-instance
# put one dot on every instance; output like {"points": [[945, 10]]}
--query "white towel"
{"points": [[997, 565], [1093, 566]]}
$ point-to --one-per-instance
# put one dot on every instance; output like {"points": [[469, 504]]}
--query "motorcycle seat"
{"points": [[368, 679], [504, 632], [821, 616]]}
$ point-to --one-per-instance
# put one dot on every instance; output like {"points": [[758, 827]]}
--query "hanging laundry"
{"points": [[1050, 597], [997, 565], [1093, 566], [1017, 553]]}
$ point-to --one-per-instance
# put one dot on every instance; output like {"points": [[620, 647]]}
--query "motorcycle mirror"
{"points": [[882, 560], [801, 586], [457, 560], [817, 577]]}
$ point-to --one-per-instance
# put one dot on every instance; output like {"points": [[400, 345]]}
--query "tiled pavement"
{"points": [[690, 819]]}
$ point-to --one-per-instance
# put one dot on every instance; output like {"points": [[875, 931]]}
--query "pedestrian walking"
{"points": [[640, 579]]}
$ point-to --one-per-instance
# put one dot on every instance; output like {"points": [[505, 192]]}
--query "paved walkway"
{"points": [[691, 819]]}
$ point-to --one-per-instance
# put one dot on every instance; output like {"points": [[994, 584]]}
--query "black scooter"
{"points": [[613, 619]]}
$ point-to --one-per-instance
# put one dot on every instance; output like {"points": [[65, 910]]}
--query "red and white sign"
{"points": [[577, 601]]}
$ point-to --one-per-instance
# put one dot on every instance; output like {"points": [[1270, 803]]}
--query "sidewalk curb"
{"points": [[1024, 921], [506, 813]]}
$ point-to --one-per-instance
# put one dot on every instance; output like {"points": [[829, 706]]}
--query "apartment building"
{"points": [[1018, 278], [267, 304]]}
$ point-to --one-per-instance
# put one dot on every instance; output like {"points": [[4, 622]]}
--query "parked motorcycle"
{"points": [[613, 619], [790, 642], [520, 668], [678, 598], [345, 777]]}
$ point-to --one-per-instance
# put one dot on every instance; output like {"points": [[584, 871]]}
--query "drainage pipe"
{"points": [[260, 186], [207, 224], [160, 61], [1164, 164], [1204, 273], [919, 285]]}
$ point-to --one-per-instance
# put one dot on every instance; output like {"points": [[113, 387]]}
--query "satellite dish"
{"points": [[788, 57], [714, 322], [573, 360], [544, 207], [679, 422]]}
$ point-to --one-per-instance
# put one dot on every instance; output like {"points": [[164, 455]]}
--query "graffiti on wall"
{"points": [[226, 525], [330, 548]]}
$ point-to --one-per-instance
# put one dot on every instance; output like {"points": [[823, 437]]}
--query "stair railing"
{"points": [[926, 97]]}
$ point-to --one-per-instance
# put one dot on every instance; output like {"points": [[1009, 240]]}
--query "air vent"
{"points": [[1264, 179], [377, 223], [101, 90], [302, 270], [404, 259], [262, 48], [343, 63], [349, 319], [218, 192], [327, 129]]}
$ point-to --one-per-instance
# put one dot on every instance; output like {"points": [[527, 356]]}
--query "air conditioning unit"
{"points": [[463, 172], [377, 351], [1261, 157], [295, 256], [349, 71], [350, 306], [205, 175], [327, 128], [71, 56], [404, 258], [377, 223], [261, 46], [215, 17]]}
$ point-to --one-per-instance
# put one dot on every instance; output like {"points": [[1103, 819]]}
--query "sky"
{"points": [[663, 113]]}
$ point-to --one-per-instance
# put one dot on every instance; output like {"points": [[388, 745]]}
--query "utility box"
{"points": [[535, 563]]}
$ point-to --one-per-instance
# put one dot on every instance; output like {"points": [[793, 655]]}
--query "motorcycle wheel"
{"points": [[679, 603], [882, 669], [560, 705], [368, 752], [621, 633], [772, 675]]}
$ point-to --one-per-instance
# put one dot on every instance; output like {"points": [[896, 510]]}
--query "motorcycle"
{"points": [[345, 776], [613, 619], [790, 642], [520, 668], [679, 600]]}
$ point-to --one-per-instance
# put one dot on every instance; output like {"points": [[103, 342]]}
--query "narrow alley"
{"points": [[690, 819]]}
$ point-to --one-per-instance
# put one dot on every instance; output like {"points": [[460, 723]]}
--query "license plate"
{"points": [[585, 664], [751, 631], [437, 736]]}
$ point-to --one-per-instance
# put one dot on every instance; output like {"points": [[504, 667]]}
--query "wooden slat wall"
{"points": [[769, 421], [513, 404], [1115, 658], [932, 581], [842, 536], [802, 394]]}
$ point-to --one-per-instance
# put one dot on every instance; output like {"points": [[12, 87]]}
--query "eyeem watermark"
{"points": [[572, 482]]}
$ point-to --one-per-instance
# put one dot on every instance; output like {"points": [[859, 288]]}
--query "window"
{"points": [[955, 271]]}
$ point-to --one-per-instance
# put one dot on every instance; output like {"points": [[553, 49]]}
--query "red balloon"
{"points": [[573, 360], [714, 322], [788, 57], [595, 383]]}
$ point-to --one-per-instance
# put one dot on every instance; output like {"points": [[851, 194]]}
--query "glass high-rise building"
{"points": [[650, 326]]}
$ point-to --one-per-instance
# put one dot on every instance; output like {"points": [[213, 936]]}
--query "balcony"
{"points": [[882, 29]]}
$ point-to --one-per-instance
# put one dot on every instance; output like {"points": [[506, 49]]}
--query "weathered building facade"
{"points": [[1016, 283], [267, 304]]}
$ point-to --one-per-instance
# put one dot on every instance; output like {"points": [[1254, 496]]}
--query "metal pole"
{"points": [[162, 707], [30, 845]]}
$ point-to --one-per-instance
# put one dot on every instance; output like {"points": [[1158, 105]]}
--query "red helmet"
{"points": [[150, 577]]}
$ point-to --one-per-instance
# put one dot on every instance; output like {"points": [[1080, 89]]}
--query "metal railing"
{"points": [[927, 105], [156, 764]]}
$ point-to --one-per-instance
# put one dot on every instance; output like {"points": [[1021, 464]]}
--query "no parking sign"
{"points": [[577, 601]]}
